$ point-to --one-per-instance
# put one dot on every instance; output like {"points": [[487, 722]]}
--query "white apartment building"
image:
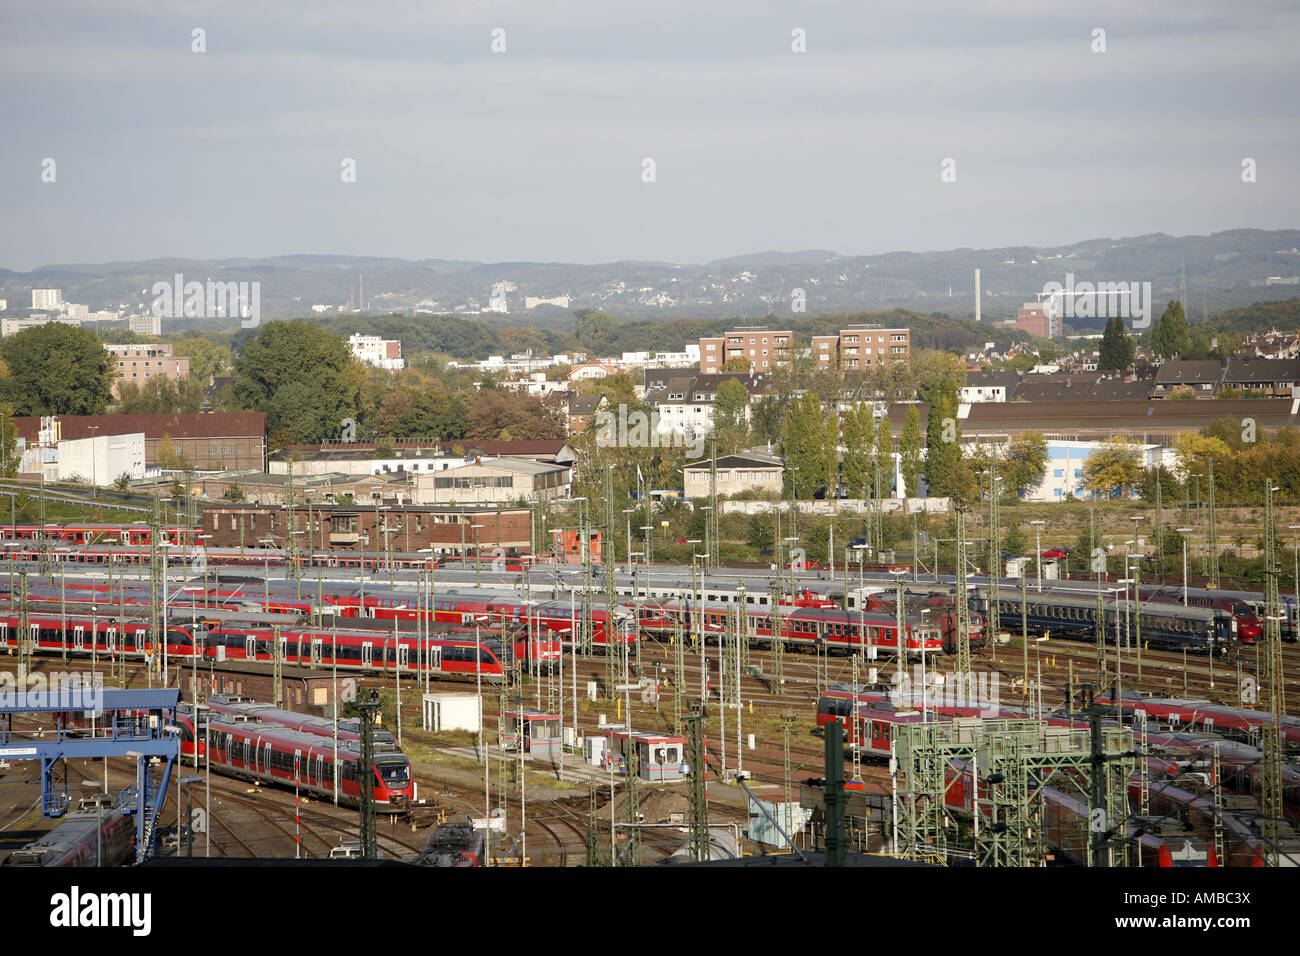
{"points": [[381, 353], [47, 298]]}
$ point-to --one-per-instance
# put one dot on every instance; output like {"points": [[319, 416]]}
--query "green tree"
{"points": [[595, 330], [731, 406], [804, 445], [56, 369], [1117, 346], [1171, 336], [10, 461], [858, 440], [302, 377], [208, 358], [909, 447], [884, 452], [1025, 462]]}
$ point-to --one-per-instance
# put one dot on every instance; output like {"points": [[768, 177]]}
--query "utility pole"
{"points": [[366, 772], [699, 795], [1213, 537], [963, 605], [156, 582], [679, 671], [1272, 807], [291, 531], [1160, 533], [778, 645], [710, 521], [612, 639], [992, 623], [834, 795], [1101, 638], [788, 719], [277, 666], [593, 831]]}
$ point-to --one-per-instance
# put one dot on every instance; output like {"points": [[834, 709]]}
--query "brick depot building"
{"points": [[448, 530]]}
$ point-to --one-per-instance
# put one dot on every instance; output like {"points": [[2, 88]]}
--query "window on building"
{"points": [[1058, 473]]}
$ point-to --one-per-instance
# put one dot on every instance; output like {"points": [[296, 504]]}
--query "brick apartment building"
{"points": [[764, 348], [862, 347], [139, 364]]}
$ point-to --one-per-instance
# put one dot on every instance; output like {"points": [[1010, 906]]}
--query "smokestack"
{"points": [[977, 295]]}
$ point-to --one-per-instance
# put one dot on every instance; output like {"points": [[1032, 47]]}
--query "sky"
{"points": [[538, 152]]}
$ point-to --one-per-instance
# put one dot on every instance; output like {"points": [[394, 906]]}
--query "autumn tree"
{"points": [[1113, 468]]}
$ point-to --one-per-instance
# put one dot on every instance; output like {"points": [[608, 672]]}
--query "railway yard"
{"points": [[576, 747]]}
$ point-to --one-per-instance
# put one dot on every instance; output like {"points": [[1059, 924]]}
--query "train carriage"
{"points": [[241, 746]]}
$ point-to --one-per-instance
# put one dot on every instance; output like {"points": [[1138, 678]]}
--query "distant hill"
{"points": [[1226, 270]]}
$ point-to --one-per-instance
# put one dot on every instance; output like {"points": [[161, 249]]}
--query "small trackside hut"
{"points": [[660, 757], [536, 732]]}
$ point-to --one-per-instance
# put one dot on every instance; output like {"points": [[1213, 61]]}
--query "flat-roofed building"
{"points": [[735, 473]]}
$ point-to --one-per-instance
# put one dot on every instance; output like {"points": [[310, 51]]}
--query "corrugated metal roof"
{"points": [[69, 698]]}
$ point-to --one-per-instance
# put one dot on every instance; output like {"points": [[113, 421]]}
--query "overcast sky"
{"points": [[537, 153]]}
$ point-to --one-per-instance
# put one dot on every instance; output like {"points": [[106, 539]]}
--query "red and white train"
{"points": [[241, 746]]}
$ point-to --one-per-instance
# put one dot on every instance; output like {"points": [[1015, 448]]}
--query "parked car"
{"points": [[858, 543], [1055, 553]]}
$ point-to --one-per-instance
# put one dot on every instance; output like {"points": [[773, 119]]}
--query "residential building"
{"points": [[377, 352], [1084, 388], [861, 347], [139, 363], [1264, 377], [735, 473], [559, 301], [990, 385], [145, 324], [763, 348], [1202, 378], [684, 403], [47, 299], [13, 326]]}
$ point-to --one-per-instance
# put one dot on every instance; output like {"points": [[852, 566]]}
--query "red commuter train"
{"points": [[244, 747]]}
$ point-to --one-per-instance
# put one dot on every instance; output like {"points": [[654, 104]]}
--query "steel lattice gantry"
{"points": [[1013, 760], [128, 723]]}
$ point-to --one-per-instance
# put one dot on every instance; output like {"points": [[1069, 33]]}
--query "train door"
{"points": [[78, 637], [266, 758], [316, 771], [34, 634], [367, 654], [284, 648], [110, 639], [316, 644], [435, 659], [403, 656], [250, 647], [138, 640]]}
